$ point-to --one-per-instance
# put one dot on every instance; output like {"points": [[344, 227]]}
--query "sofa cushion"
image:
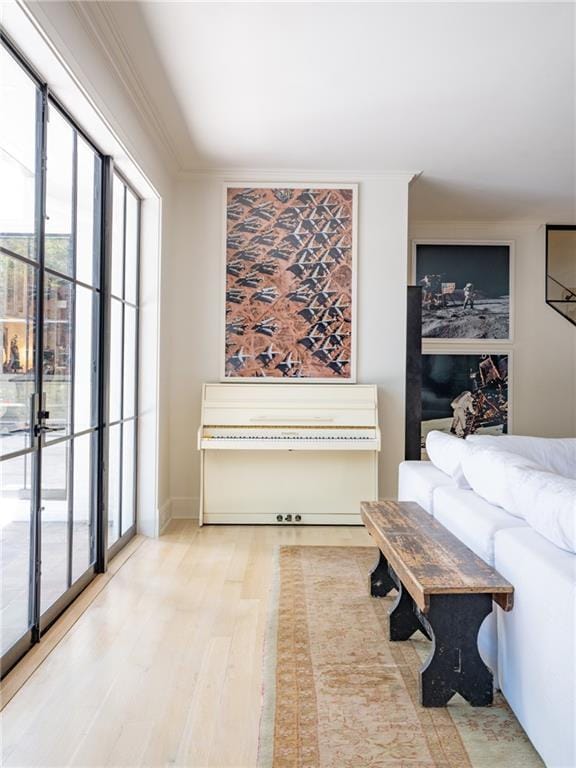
{"points": [[417, 481], [472, 519], [446, 452], [555, 454], [488, 472], [536, 641], [547, 502]]}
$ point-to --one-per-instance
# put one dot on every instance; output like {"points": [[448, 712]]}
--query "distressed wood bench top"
{"points": [[427, 558]]}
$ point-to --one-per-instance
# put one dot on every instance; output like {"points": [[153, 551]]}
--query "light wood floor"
{"points": [[165, 666]]}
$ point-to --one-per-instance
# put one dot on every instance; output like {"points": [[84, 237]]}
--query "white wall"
{"points": [[544, 347], [194, 285]]}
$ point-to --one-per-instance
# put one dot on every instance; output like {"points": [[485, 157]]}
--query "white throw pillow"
{"points": [[487, 471], [556, 454], [446, 452], [549, 504]]}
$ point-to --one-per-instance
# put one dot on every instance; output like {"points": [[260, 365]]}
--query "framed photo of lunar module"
{"points": [[464, 394], [466, 290], [290, 282]]}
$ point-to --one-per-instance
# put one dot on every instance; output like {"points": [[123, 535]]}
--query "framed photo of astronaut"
{"points": [[464, 393], [289, 282], [466, 290]]}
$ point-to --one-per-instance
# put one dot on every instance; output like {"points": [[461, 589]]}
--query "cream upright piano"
{"points": [[288, 453]]}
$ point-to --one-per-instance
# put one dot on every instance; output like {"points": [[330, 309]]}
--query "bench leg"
{"points": [[403, 621], [380, 581], [455, 665], [404, 617]]}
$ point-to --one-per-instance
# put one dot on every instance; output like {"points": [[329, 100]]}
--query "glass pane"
{"points": [[17, 332], [54, 522], [129, 360], [60, 151], [115, 360], [15, 515], [57, 345], [131, 273], [17, 158], [117, 237], [83, 510], [114, 484], [128, 478], [85, 360], [87, 227]]}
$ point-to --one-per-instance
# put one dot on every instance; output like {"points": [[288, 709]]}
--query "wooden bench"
{"points": [[444, 590]]}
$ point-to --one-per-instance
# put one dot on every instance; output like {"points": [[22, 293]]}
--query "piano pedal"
{"points": [[288, 518]]}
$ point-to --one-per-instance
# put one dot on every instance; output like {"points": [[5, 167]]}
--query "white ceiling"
{"points": [[479, 97]]}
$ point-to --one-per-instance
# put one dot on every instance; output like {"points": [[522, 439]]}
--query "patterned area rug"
{"points": [[338, 694]]}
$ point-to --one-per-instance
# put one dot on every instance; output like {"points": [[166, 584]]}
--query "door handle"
{"points": [[42, 428]]}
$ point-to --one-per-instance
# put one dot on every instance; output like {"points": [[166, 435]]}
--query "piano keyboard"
{"points": [[287, 437], [280, 437]]}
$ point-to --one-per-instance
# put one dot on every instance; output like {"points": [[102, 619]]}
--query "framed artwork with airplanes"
{"points": [[289, 282]]}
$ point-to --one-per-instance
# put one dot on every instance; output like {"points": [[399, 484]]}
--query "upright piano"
{"points": [[288, 453]]}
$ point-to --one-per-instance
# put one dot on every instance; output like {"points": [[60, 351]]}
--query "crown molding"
{"points": [[279, 175], [416, 224], [97, 20]]}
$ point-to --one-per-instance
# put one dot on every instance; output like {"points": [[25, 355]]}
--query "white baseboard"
{"points": [[177, 508], [184, 507], [164, 516]]}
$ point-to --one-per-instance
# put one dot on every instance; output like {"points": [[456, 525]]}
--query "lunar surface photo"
{"points": [[464, 394], [465, 291], [289, 297]]}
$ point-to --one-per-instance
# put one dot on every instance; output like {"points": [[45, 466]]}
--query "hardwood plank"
{"points": [[239, 708], [168, 648], [16, 678], [427, 558]]}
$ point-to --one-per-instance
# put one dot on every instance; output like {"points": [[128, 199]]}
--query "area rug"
{"points": [[338, 694]]}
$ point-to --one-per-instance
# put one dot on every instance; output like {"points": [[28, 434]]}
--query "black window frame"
{"points": [[570, 299]]}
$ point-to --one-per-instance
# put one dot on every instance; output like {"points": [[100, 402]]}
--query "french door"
{"points": [[67, 494]]}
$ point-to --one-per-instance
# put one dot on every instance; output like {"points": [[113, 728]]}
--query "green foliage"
{"points": [[57, 249]]}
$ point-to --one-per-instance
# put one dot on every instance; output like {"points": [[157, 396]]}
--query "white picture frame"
{"points": [[226, 376], [429, 342]]}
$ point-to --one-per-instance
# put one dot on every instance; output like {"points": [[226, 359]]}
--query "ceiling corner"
{"points": [[98, 21]]}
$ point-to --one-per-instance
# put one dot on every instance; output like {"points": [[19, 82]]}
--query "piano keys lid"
{"points": [[290, 417], [293, 405]]}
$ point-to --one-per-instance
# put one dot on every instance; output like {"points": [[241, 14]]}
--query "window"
{"points": [[19, 280], [70, 324], [57, 278], [123, 361]]}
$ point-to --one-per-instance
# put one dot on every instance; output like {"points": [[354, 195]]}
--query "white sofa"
{"points": [[532, 649]]}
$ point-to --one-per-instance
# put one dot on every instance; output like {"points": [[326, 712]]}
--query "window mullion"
{"points": [[102, 454]]}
